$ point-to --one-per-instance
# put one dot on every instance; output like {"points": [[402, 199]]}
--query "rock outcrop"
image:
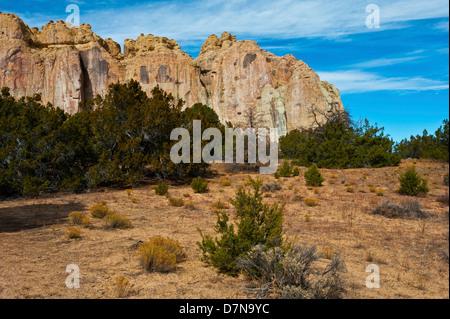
{"points": [[241, 82]]}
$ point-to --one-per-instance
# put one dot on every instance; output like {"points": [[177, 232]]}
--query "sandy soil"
{"points": [[35, 248]]}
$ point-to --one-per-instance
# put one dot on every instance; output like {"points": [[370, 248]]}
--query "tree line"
{"points": [[124, 138]]}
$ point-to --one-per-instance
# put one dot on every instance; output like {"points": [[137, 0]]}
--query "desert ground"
{"points": [[35, 248]]}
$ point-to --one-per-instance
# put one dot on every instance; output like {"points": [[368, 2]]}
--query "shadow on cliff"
{"points": [[14, 219]]}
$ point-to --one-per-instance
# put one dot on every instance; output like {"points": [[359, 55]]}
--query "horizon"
{"points": [[396, 75]]}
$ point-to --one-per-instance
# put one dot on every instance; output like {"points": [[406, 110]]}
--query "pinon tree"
{"points": [[257, 223]]}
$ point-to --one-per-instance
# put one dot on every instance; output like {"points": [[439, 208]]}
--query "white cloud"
{"points": [[283, 19], [356, 81], [384, 62]]}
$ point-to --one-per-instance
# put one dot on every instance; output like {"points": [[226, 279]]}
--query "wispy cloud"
{"points": [[442, 26], [385, 62], [283, 19], [356, 81]]}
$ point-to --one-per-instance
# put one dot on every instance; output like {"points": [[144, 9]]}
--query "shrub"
{"points": [[286, 170], [443, 199], [311, 202], [220, 205], [199, 185], [225, 182], [99, 210], [411, 184], [350, 190], [338, 144], [79, 218], [296, 172], [74, 232], [294, 274], [161, 254], [313, 176], [114, 220], [379, 192], [328, 252], [116, 139], [405, 210], [121, 287], [176, 202], [271, 187], [161, 189], [257, 223], [446, 179], [190, 205]]}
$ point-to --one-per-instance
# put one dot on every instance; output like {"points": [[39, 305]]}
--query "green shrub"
{"points": [[199, 185], [446, 179], [257, 223], [161, 189], [313, 176], [118, 139], [296, 172], [434, 146], [338, 144], [286, 169], [411, 184]]}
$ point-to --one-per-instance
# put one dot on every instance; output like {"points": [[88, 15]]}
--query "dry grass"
{"points": [[79, 218], [114, 220], [410, 252], [176, 202], [73, 233], [161, 254], [99, 210], [312, 202]]}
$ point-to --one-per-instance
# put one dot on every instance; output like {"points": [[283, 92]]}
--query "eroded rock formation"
{"points": [[241, 82]]}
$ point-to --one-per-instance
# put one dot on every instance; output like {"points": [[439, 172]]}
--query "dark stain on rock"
{"points": [[162, 76], [144, 75], [249, 58]]}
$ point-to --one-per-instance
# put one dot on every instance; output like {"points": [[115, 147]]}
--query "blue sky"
{"points": [[396, 75]]}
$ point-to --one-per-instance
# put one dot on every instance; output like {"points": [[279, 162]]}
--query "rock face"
{"points": [[241, 82]]}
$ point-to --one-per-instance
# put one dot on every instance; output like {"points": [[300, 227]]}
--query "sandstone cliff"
{"points": [[241, 82]]}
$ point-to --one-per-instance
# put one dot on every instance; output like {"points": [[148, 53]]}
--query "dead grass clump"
{"points": [[79, 218], [220, 205], [100, 210], [176, 202], [73, 233], [114, 220], [311, 202], [443, 199], [225, 182], [161, 254], [272, 187], [121, 287], [405, 210]]}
